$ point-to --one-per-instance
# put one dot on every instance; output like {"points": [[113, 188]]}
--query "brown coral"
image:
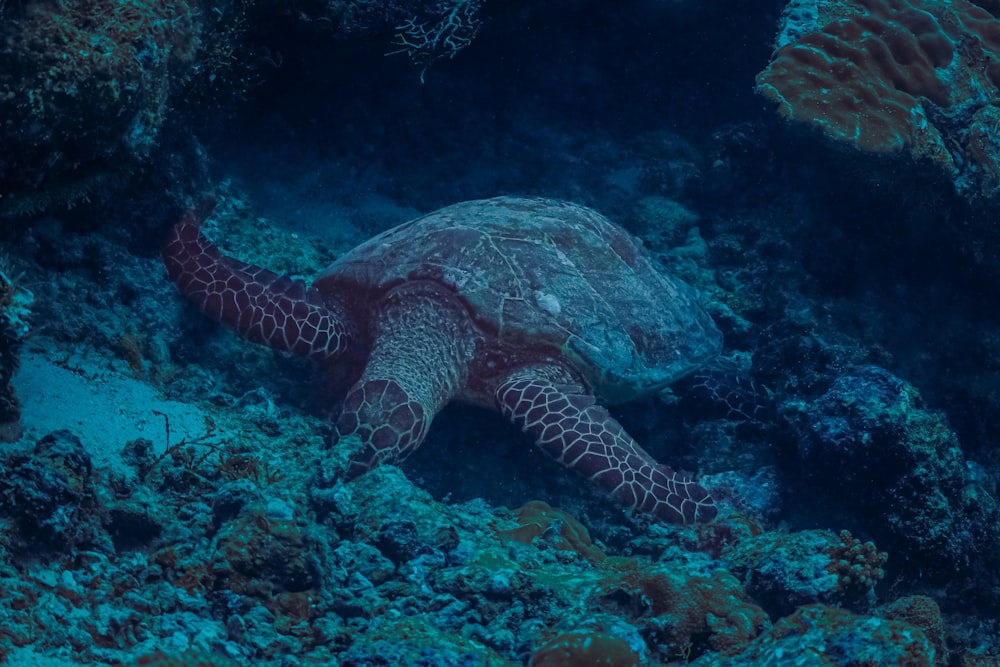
{"points": [[85, 87], [15, 302], [921, 612], [185, 659], [538, 519], [894, 75], [857, 564], [682, 609], [585, 646]]}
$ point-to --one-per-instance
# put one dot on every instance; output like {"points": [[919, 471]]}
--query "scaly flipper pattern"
{"points": [[423, 345], [380, 423], [259, 304], [526, 305], [582, 436]]}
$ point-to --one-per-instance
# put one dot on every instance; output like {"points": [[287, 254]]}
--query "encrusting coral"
{"points": [[15, 311], [85, 89], [915, 493], [896, 75]]}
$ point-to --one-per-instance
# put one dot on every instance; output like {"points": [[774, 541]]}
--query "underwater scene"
{"points": [[486, 333]]}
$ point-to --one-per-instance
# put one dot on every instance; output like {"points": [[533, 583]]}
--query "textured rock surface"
{"points": [[889, 76]]}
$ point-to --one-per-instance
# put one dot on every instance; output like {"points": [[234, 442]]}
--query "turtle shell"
{"points": [[545, 277]]}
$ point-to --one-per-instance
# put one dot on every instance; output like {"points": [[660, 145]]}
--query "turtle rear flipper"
{"points": [[583, 436], [259, 304]]}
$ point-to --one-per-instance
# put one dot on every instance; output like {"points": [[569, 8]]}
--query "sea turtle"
{"points": [[529, 306]]}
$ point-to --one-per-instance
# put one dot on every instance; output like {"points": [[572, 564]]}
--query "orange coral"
{"points": [[185, 659], [537, 518], [685, 607], [893, 75], [921, 612], [816, 632], [857, 564], [585, 647]]}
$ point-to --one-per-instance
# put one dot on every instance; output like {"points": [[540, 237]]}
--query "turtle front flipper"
{"points": [[570, 427], [259, 304], [423, 343]]}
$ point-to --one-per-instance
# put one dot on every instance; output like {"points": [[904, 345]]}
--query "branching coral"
{"points": [[442, 36], [857, 564], [785, 570]]}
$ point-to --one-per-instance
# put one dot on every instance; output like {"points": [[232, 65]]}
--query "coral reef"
{"points": [[184, 659], [586, 646], [86, 87], [911, 487], [233, 559], [266, 546], [888, 76], [684, 610], [415, 641], [562, 529], [821, 636], [15, 311], [232, 537], [785, 571], [921, 612], [50, 497]]}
